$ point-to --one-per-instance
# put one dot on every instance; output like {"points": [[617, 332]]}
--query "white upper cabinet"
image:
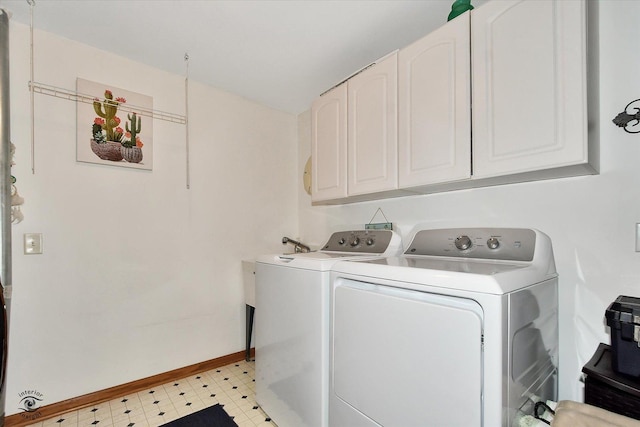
{"points": [[372, 128], [529, 86], [434, 107], [497, 95], [329, 145], [354, 135]]}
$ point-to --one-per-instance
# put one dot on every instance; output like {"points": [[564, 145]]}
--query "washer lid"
{"points": [[452, 265], [319, 261], [468, 275], [486, 260]]}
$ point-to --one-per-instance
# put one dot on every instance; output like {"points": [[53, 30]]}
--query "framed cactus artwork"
{"points": [[111, 129]]}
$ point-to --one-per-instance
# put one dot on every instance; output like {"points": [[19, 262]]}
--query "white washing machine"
{"points": [[292, 325], [461, 330]]}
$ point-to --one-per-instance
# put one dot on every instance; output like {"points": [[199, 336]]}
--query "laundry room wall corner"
{"points": [[590, 219]]}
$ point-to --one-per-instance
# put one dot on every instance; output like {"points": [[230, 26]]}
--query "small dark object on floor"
{"points": [[608, 389], [213, 416]]}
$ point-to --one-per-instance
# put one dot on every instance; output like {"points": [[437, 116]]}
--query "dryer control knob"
{"points": [[342, 241], [370, 241], [355, 241], [462, 242], [493, 243]]}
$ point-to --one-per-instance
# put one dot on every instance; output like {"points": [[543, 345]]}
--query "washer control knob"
{"points": [[355, 241], [342, 241], [462, 243], [370, 241], [493, 243]]}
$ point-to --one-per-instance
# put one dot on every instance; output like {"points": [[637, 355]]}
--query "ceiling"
{"points": [[280, 53]]}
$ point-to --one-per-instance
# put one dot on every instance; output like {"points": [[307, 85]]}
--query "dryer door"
{"points": [[404, 358]]}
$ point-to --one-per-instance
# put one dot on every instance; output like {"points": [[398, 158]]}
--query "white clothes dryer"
{"points": [[292, 325], [461, 330]]}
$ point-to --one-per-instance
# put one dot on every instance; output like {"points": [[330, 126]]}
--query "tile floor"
{"points": [[232, 386]]}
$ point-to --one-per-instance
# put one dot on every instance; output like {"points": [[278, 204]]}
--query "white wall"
{"points": [[591, 220], [139, 275]]}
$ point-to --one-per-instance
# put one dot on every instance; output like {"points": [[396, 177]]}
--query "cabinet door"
{"points": [[329, 145], [529, 86], [373, 130], [435, 107]]}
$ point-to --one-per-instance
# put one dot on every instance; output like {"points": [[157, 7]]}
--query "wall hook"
{"points": [[629, 119]]}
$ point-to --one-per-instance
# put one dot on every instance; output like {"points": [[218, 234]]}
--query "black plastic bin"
{"points": [[609, 390], [623, 317]]}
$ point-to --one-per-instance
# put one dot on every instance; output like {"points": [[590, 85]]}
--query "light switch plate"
{"points": [[32, 243]]}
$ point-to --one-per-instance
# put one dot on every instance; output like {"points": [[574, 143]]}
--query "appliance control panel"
{"points": [[511, 244], [357, 241]]}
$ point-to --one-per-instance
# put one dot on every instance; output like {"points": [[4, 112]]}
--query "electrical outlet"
{"points": [[32, 243]]}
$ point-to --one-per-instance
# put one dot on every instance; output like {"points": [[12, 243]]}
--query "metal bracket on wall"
{"points": [[72, 95], [629, 119]]}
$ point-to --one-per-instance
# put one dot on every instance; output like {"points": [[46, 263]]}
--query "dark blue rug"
{"points": [[213, 416]]}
